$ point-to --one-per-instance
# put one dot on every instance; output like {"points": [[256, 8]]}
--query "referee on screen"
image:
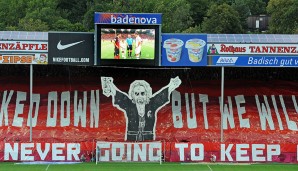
{"points": [[129, 42]]}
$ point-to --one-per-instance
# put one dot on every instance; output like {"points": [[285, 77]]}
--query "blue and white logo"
{"points": [[226, 60], [254, 61], [128, 18]]}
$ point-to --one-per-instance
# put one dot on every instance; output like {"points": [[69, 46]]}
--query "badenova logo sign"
{"points": [[118, 18]]}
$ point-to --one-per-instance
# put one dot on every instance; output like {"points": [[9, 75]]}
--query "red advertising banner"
{"points": [[37, 58], [23, 52], [252, 49], [23, 46], [259, 119]]}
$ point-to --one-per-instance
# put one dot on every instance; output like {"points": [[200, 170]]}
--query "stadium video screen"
{"points": [[128, 45]]}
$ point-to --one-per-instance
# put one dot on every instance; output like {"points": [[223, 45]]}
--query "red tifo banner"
{"points": [[172, 152], [255, 116]]}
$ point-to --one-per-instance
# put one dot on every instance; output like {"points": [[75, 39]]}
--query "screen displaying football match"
{"points": [[127, 43]]}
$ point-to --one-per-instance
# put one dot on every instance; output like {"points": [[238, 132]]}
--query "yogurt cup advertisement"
{"points": [[184, 50]]}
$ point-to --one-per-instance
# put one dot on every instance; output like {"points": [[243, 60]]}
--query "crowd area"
{"points": [[195, 73]]}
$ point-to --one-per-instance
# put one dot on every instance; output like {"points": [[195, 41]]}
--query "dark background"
{"points": [[81, 50]]}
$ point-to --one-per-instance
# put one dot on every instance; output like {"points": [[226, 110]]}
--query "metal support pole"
{"points": [[222, 104], [31, 96]]}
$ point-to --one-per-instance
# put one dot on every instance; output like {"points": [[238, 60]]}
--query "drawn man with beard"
{"points": [[139, 105]]}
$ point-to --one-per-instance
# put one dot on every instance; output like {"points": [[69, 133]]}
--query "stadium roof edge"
{"points": [[252, 38], [212, 38], [23, 35]]}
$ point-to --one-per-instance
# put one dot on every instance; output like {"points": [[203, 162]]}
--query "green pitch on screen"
{"points": [[147, 52]]}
